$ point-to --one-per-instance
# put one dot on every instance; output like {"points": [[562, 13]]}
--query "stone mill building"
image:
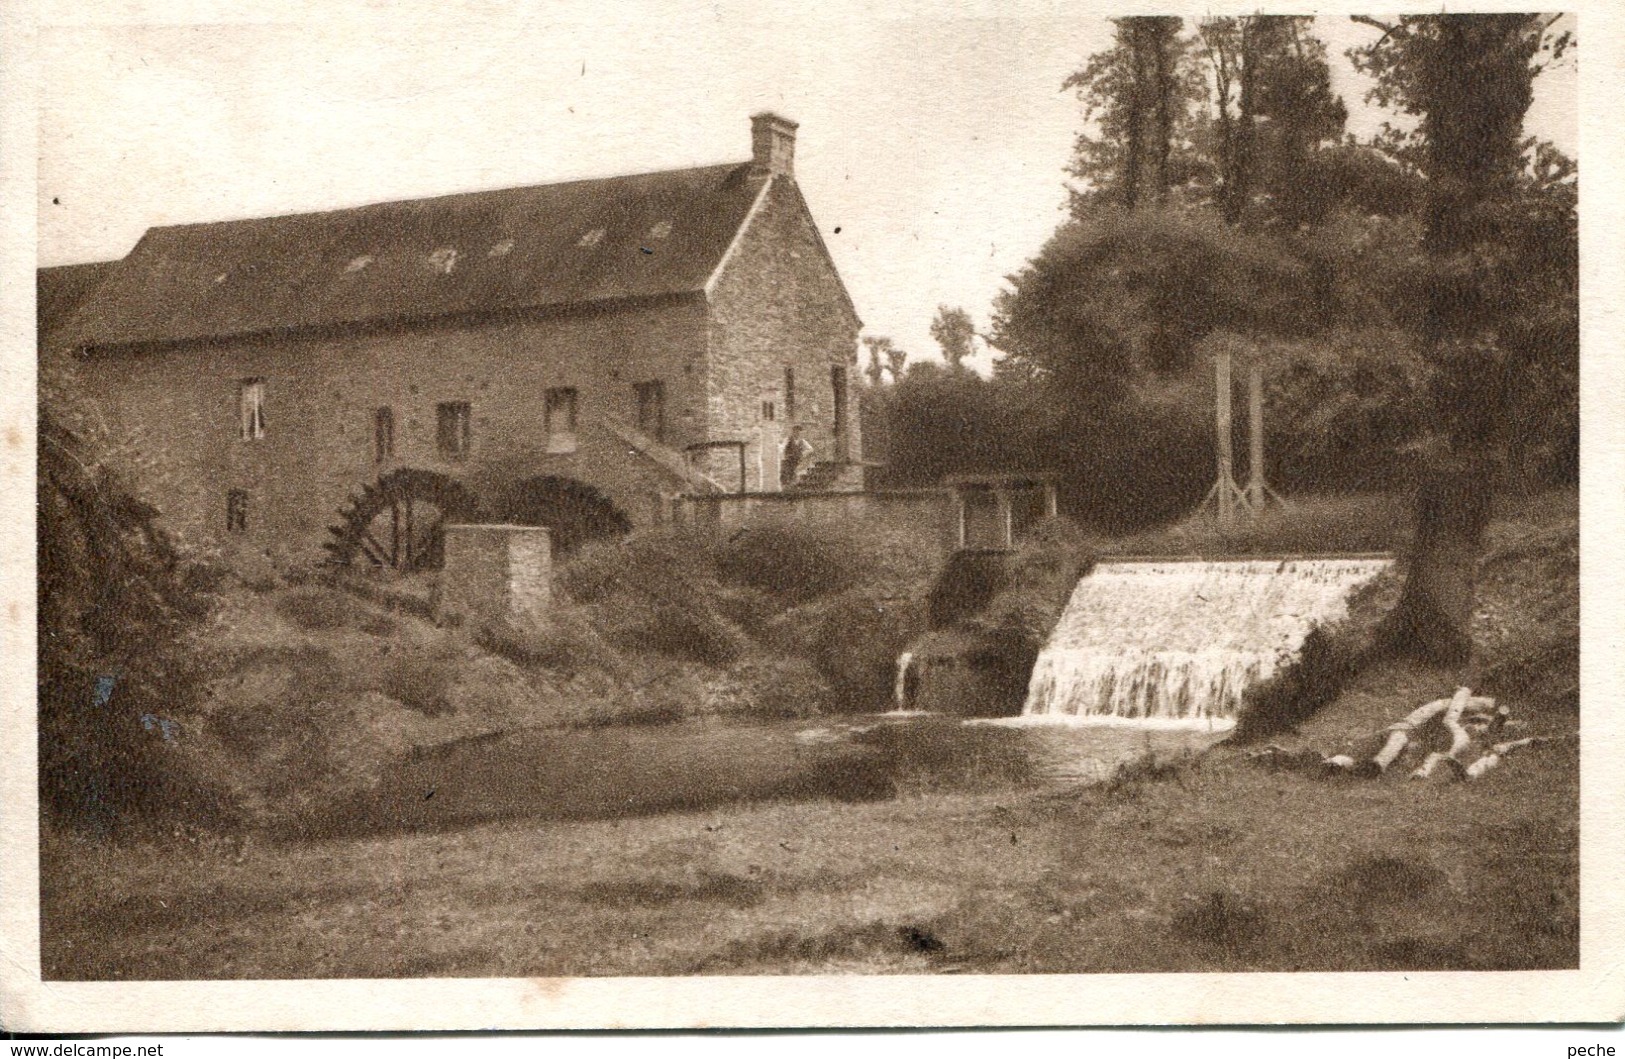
{"points": [[575, 355]]}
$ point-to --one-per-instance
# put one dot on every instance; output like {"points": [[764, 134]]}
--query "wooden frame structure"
{"points": [[1004, 489], [1226, 497]]}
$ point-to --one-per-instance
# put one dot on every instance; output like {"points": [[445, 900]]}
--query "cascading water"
{"points": [[1178, 642]]}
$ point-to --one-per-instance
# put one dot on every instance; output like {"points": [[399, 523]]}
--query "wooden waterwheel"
{"points": [[399, 521]]}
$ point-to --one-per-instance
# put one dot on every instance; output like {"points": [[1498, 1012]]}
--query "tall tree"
{"points": [[896, 361], [1138, 93], [1469, 79], [877, 346], [954, 332], [1273, 106]]}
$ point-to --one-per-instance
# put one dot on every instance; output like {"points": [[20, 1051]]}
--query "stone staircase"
{"points": [[820, 477]]}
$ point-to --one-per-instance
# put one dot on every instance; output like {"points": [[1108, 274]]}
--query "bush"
{"points": [[794, 562], [854, 646], [116, 605], [655, 592], [563, 642], [421, 681]]}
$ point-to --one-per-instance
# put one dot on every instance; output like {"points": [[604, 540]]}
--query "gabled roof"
{"points": [[555, 245], [61, 288]]}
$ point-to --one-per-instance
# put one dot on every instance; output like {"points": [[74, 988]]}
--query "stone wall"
{"points": [[494, 573], [178, 409], [778, 304], [904, 509]]}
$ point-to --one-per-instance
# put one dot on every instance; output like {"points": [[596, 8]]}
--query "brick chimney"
{"points": [[772, 145]]}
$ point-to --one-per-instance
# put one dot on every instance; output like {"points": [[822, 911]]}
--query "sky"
{"points": [[932, 141]]}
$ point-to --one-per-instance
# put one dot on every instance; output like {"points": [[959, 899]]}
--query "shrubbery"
{"points": [[115, 680]]}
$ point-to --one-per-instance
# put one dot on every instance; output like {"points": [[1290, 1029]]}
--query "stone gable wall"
{"points": [[778, 304]]}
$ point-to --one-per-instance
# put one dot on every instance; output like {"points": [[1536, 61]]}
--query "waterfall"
{"points": [[1170, 642]]}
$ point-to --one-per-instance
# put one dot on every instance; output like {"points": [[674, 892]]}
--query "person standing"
{"points": [[796, 451]]}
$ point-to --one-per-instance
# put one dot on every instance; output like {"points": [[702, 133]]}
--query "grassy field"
{"points": [[963, 862], [1221, 866]]}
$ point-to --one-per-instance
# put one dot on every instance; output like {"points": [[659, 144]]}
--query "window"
{"points": [[768, 411], [651, 409], [790, 394], [559, 411], [383, 434], [236, 510], [837, 382], [453, 423], [251, 410]]}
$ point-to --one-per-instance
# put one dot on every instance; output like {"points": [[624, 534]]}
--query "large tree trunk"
{"points": [[1433, 620], [1134, 137], [1165, 120]]}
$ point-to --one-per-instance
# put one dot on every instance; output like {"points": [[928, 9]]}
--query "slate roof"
{"points": [[554, 245], [61, 288]]}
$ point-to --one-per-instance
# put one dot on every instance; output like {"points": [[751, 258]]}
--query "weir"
{"points": [[1176, 642]]}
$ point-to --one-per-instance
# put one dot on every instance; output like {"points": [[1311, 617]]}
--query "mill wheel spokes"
{"points": [[399, 522], [405, 535]]}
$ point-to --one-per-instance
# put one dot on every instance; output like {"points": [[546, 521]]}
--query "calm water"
{"points": [[598, 773]]}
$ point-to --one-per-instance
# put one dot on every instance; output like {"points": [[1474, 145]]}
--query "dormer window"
{"points": [[661, 230], [443, 260], [502, 249], [251, 409], [358, 263], [592, 238]]}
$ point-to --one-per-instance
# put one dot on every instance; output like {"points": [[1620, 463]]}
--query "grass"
{"points": [[1352, 523], [1206, 873]]}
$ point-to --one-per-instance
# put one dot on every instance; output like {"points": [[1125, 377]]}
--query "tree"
{"points": [[878, 346], [1470, 80], [1113, 302], [115, 602], [896, 361], [1273, 107], [954, 332], [1139, 92]]}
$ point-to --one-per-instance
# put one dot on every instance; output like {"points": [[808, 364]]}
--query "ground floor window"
{"points": [[383, 434], [651, 398], [559, 419], [236, 510], [454, 431]]}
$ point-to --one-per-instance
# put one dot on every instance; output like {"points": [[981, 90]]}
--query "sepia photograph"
{"points": [[699, 493]]}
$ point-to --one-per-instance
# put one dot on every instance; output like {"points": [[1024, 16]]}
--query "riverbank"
{"points": [[1213, 866]]}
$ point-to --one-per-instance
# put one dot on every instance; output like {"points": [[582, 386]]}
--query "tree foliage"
{"points": [[1273, 108], [955, 333], [116, 602], [877, 345], [1141, 94], [1112, 301]]}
